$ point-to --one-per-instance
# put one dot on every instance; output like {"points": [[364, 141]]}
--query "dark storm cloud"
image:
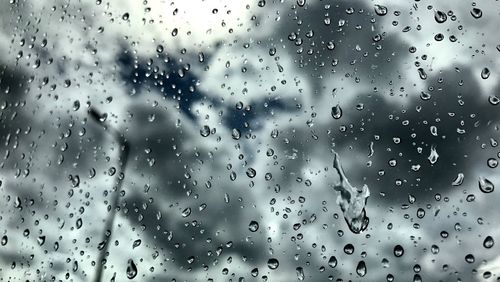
{"points": [[361, 52]]}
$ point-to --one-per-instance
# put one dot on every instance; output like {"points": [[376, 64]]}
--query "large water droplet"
{"points": [[352, 201], [459, 180], [79, 223], [485, 73], [398, 251], [361, 269], [236, 134], [433, 156], [380, 10], [273, 263], [494, 100], [4, 240], [131, 269], [485, 185], [422, 74], [332, 262], [349, 249], [251, 172], [205, 131], [476, 13], [440, 17], [136, 243], [253, 226], [336, 112], [300, 273], [488, 242], [186, 212]]}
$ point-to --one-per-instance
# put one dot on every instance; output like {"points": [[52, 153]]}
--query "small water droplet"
{"points": [[301, 3]]}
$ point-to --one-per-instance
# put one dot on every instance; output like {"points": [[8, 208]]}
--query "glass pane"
{"points": [[249, 140]]}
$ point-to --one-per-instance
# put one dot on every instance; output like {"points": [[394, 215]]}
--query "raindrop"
{"points": [[485, 73], [186, 212], [332, 262], [253, 226], [469, 258], [380, 10], [236, 134], [4, 240], [301, 3], [433, 157], [440, 17], [41, 240], [79, 223], [485, 185], [274, 133], [476, 13], [361, 269], [349, 249], [125, 16], [425, 96], [251, 172], [492, 163], [300, 273], [336, 112], [273, 263], [422, 74], [205, 131], [488, 242], [131, 269], [459, 180], [136, 243], [398, 251], [494, 100]]}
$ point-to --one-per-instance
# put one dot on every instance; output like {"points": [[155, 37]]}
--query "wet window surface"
{"points": [[249, 140]]}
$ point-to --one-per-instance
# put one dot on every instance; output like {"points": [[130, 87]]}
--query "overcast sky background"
{"points": [[263, 76]]}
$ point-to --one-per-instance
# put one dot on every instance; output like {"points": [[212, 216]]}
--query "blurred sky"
{"points": [[227, 107]]}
